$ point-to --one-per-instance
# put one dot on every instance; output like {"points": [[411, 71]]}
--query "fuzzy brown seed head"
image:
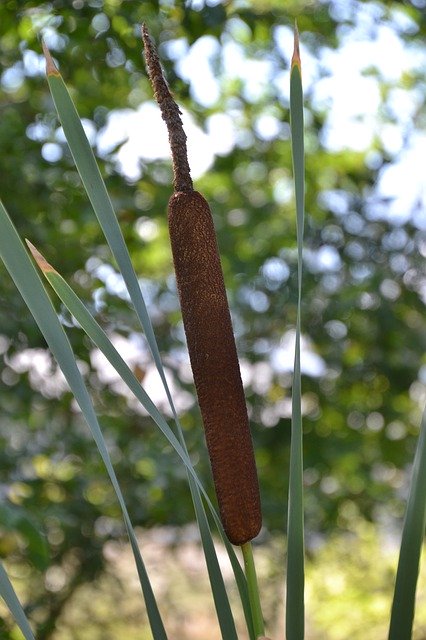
{"points": [[214, 364]]}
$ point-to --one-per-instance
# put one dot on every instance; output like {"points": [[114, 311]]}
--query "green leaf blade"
{"points": [[404, 599], [295, 608], [7, 592], [29, 284], [95, 188]]}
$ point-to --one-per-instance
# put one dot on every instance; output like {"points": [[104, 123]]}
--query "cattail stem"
{"points": [[253, 590], [171, 115], [208, 330]]}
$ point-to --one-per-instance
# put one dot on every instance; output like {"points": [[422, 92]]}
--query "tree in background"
{"points": [[364, 275]]}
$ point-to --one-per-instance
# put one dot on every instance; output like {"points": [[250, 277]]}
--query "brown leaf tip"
{"points": [[51, 68], [170, 113], [295, 61], [41, 261]]}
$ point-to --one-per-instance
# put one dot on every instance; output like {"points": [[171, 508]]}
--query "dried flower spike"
{"points": [[208, 329]]}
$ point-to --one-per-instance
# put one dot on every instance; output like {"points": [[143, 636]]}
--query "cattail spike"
{"points": [[214, 363], [209, 334]]}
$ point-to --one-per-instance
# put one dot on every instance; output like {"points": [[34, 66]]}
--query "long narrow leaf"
{"points": [[98, 336], [96, 191], [253, 589], [295, 608], [223, 608], [240, 577], [403, 605], [7, 592], [27, 280]]}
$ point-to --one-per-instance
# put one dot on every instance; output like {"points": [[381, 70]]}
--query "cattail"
{"points": [[208, 330]]}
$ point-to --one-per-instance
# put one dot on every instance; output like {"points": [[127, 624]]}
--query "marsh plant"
{"points": [[214, 362]]}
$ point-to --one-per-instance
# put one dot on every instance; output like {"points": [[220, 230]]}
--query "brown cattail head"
{"points": [[209, 334], [214, 364]]}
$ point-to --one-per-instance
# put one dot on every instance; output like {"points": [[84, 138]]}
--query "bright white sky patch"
{"points": [[195, 68], [143, 136], [44, 374], [412, 193], [282, 358], [135, 353], [352, 97], [221, 133], [326, 258], [267, 127], [254, 74]]}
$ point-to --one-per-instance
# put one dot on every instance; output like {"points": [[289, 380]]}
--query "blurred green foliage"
{"points": [[349, 583], [365, 320]]}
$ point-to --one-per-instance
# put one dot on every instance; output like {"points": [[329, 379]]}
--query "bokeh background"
{"points": [[364, 293]]}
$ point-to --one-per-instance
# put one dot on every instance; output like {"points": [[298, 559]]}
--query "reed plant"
{"points": [[217, 378]]}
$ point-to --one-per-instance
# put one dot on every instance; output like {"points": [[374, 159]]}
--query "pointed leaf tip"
{"points": [[51, 68], [41, 261], [295, 61]]}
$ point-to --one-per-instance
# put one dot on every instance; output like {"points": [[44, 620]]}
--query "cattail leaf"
{"points": [[7, 592], [295, 532], [95, 188], [98, 336], [239, 575], [220, 597], [403, 605], [27, 280], [258, 622]]}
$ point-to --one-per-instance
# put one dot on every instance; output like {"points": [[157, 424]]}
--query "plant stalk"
{"points": [[253, 589]]}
